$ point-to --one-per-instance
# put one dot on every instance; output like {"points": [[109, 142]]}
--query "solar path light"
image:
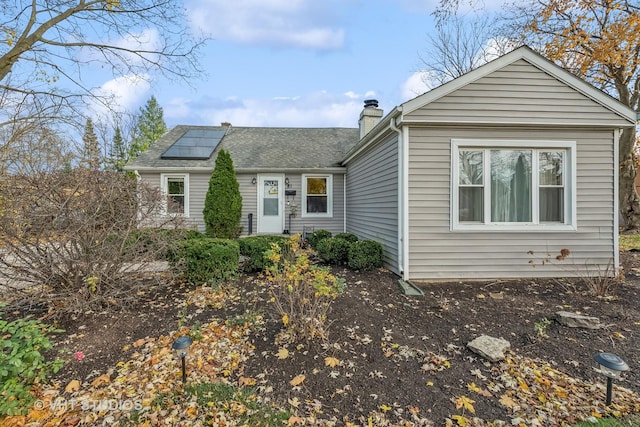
{"points": [[181, 346], [611, 366]]}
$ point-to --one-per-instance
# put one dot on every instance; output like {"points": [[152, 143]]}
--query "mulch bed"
{"points": [[399, 355]]}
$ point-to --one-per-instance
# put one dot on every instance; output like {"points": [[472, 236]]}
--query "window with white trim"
{"points": [[317, 195], [176, 188], [512, 185]]}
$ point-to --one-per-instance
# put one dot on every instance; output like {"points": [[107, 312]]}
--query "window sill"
{"points": [[308, 215], [516, 228]]}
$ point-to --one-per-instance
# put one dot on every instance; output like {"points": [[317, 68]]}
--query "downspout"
{"points": [[401, 198], [344, 203], [616, 203]]}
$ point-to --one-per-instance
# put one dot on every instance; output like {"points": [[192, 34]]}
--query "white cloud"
{"points": [[417, 84], [125, 93], [318, 109], [286, 23]]}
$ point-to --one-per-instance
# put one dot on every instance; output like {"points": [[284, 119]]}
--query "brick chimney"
{"points": [[369, 117]]}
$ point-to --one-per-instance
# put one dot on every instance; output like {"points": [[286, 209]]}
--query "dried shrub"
{"points": [[598, 281], [302, 293], [71, 240]]}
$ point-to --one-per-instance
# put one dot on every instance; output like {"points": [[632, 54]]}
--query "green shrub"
{"points": [[255, 247], [223, 202], [365, 255], [207, 260], [22, 364], [349, 237], [334, 250], [318, 235]]}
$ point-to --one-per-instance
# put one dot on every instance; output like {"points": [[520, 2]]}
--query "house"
{"points": [[472, 180]]}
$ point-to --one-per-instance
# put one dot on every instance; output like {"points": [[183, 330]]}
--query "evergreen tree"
{"points": [[150, 127], [118, 150], [91, 155], [223, 202]]}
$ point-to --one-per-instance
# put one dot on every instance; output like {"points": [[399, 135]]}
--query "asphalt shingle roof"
{"points": [[260, 148]]}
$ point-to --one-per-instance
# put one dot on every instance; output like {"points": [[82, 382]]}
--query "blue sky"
{"points": [[300, 63]]}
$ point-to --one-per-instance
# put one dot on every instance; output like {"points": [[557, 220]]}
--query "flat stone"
{"points": [[574, 320], [489, 347]]}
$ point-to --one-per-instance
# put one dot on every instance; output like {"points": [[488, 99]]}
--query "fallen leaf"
{"points": [[283, 353], [242, 381], [140, 342], [461, 420], [74, 385], [507, 401], [466, 403], [293, 420], [332, 362], [385, 408], [101, 380], [297, 380]]}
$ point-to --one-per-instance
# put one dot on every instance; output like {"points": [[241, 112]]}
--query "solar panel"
{"points": [[195, 144]]}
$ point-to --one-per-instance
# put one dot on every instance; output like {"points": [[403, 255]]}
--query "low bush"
{"points": [[365, 255], [207, 260], [318, 235], [302, 293], [334, 250], [255, 247], [22, 364], [349, 237]]}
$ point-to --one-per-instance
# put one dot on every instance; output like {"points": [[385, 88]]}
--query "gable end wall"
{"points": [[372, 202]]}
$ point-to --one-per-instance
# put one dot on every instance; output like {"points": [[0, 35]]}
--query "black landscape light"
{"points": [[611, 366], [181, 346]]}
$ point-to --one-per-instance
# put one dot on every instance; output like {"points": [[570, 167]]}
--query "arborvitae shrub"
{"points": [[365, 255], [255, 247], [318, 235], [207, 260], [223, 202], [334, 250], [350, 237]]}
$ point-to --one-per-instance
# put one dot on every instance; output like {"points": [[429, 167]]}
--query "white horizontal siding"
{"points": [[518, 93], [438, 253]]}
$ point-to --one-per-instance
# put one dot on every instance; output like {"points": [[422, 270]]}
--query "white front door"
{"points": [[270, 203]]}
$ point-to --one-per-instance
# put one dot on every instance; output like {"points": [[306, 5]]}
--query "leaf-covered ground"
{"points": [[389, 360]]}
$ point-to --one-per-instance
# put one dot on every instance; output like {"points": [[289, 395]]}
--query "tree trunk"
{"points": [[628, 197]]}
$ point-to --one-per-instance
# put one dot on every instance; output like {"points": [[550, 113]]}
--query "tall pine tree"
{"points": [[118, 155], [91, 155], [150, 127], [223, 202]]}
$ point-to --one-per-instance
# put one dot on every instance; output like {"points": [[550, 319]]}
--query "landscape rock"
{"points": [[574, 320], [489, 347]]}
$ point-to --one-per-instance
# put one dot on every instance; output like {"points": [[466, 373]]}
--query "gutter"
{"points": [[158, 169]]}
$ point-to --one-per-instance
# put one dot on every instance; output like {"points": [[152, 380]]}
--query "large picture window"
{"points": [[317, 197], [176, 188], [512, 184]]}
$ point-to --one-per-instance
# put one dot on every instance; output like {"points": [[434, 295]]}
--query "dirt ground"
{"points": [[399, 353]]}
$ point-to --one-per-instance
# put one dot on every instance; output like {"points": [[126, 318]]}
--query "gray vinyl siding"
{"points": [[517, 93], [372, 203], [199, 184], [438, 253]]}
